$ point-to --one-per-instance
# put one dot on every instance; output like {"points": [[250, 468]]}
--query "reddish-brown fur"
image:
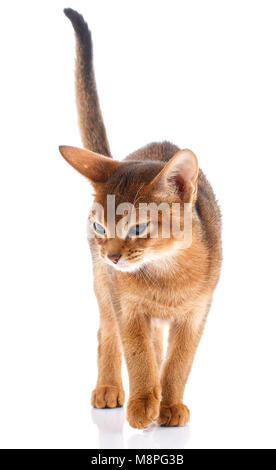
{"points": [[175, 285]]}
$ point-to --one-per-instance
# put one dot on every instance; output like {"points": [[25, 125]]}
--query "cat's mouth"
{"points": [[125, 265]]}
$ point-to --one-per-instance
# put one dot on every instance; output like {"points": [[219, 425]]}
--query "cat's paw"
{"points": [[142, 410], [107, 396], [173, 415]]}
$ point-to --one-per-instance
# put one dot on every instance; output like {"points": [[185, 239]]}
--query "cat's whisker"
{"points": [[138, 191], [125, 276], [146, 272], [143, 268], [142, 273]]}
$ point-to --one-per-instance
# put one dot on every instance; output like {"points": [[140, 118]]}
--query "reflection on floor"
{"points": [[115, 433]]}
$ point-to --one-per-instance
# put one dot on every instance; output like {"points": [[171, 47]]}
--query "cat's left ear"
{"points": [[179, 176], [94, 166]]}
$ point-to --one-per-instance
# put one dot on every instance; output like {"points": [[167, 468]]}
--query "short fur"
{"points": [[175, 285], [91, 124]]}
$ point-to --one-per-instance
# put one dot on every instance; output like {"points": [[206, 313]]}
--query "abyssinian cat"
{"points": [[142, 280]]}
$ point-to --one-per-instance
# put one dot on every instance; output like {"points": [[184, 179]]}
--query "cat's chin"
{"points": [[125, 268]]}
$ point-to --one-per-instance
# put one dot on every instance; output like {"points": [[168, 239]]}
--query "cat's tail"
{"points": [[91, 123]]}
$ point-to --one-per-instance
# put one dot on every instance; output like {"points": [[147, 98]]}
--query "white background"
{"points": [[203, 75]]}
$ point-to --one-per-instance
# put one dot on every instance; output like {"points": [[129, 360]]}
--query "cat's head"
{"points": [[141, 209]]}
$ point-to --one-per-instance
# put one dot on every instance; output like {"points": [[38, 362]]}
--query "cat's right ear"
{"points": [[94, 166], [179, 176]]}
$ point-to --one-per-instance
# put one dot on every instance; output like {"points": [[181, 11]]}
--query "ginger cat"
{"points": [[138, 279]]}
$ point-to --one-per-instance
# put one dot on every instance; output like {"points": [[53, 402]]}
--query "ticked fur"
{"points": [[160, 280]]}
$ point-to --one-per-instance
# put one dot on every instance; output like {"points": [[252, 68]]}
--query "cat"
{"points": [[141, 282]]}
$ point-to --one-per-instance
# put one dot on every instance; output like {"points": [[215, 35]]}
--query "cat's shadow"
{"points": [[112, 433]]}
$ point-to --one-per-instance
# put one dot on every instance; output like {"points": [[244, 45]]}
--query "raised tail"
{"points": [[91, 123]]}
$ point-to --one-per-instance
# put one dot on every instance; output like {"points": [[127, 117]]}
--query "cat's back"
{"points": [[206, 205], [160, 151]]}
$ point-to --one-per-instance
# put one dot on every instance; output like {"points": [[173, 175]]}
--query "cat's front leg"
{"points": [[183, 339], [144, 386], [109, 391]]}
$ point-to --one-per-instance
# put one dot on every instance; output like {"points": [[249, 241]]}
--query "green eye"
{"points": [[99, 228], [137, 230]]}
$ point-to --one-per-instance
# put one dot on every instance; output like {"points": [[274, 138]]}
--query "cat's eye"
{"points": [[99, 228], [137, 230]]}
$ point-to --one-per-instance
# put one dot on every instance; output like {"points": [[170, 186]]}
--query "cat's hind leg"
{"points": [[157, 342]]}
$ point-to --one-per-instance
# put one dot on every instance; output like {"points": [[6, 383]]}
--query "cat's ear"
{"points": [[179, 176], [94, 166]]}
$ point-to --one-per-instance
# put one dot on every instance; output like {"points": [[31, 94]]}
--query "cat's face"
{"points": [[131, 252], [130, 239], [138, 206]]}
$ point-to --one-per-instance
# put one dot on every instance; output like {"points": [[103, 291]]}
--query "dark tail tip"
{"points": [[79, 24]]}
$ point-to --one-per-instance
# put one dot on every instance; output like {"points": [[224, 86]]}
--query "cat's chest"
{"points": [[162, 302]]}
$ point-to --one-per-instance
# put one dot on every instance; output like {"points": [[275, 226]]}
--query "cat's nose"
{"points": [[114, 257]]}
